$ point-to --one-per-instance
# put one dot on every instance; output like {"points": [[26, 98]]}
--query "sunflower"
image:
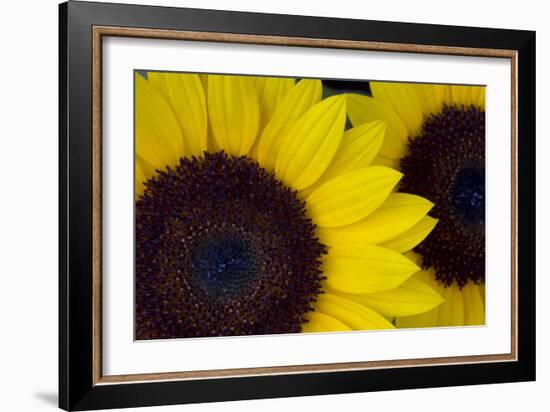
{"points": [[257, 213], [436, 138]]}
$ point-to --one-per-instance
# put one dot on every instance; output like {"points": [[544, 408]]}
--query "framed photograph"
{"points": [[256, 206]]}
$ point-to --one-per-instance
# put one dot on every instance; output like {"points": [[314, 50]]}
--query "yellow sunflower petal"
{"points": [[354, 268], [386, 161], [311, 143], [320, 322], [204, 81], [451, 313], [363, 109], [468, 96], [144, 171], [411, 238], [478, 96], [416, 258], [423, 320], [234, 112], [410, 298], [405, 100], [211, 142], [432, 97], [271, 90], [357, 316], [296, 103], [186, 96], [357, 150], [474, 308], [351, 197], [398, 214], [429, 318], [481, 99], [158, 136], [460, 95], [140, 179]]}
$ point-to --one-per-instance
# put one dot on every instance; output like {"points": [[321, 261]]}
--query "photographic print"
{"points": [[274, 205]]}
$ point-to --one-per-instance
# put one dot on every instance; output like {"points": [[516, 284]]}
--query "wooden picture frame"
{"points": [[82, 384]]}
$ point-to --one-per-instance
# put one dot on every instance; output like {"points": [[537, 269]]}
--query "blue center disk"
{"points": [[468, 195], [224, 264]]}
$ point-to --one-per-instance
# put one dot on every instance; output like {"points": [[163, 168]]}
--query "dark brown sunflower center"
{"points": [[223, 248], [446, 164]]}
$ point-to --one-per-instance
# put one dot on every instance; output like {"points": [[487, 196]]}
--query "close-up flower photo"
{"points": [[271, 205]]}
